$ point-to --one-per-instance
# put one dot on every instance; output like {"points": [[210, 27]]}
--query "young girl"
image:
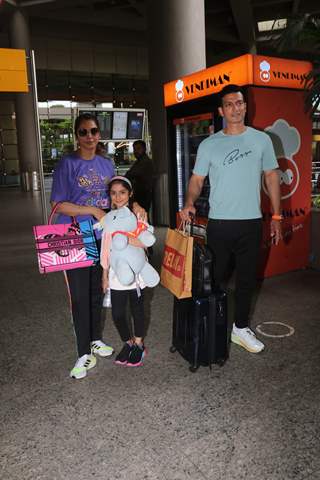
{"points": [[133, 350]]}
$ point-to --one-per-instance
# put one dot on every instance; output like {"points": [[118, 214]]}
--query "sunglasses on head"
{"points": [[82, 132]]}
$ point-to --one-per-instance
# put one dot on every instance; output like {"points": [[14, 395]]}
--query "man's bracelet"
{"points": [[279, 218]]}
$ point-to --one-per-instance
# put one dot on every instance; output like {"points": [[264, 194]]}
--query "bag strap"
{"points": [[53, 211], [182, 227]]}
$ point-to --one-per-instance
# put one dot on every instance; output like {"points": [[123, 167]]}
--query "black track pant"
{"points": [[86, 300], [242, 239], [119, 300]]}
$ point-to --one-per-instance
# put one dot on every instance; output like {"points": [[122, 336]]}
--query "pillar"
{"points": [[177, 47], [24, 107]]}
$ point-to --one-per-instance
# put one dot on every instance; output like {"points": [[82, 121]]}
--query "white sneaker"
{"points": [[246, 338], [83, 364], [100, 348]]}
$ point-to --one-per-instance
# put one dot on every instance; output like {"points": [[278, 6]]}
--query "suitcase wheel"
{"points": [[172, 349], [193, 369]]}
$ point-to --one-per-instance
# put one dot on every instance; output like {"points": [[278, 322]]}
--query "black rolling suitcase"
{"points": [[200, 329]]}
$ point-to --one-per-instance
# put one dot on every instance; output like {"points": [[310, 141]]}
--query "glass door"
{"points": [[190, 131]]}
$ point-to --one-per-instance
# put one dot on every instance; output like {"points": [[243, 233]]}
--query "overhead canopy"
{"points": [[245, 70]]}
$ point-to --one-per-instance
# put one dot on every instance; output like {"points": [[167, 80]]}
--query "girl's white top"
{"points": [[115, 284]]}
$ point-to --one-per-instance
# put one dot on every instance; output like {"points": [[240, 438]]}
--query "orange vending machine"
{"points": [[275, 104]]}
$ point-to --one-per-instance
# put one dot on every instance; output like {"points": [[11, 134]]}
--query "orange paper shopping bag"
{"points": [[176, 268]]}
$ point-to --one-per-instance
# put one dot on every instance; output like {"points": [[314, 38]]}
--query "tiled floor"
{"points": [[256, 418]]}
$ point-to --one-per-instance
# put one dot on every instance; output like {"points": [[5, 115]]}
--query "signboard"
{"points": [[119, 125], [279, 72], [135, 125], [105, 122], [13, 70], [209, 81], [244, 70]]}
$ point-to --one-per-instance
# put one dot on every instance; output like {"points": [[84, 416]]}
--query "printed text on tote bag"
{"points": [[173, 261]]}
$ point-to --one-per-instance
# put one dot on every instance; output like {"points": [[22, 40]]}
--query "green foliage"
{"points": [[302, 31], [316, 201], [56, 139], [303, 34], [312, 90]]}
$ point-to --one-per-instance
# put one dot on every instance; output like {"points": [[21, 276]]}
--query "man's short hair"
{"points": [[140, 142], [231, 88]]}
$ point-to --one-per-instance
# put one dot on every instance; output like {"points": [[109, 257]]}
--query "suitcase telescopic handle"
{"points": [[192, 217], [193, 224]]}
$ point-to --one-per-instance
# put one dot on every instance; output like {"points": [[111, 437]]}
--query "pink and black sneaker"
{"points": [[123, 356], [137, 354]]}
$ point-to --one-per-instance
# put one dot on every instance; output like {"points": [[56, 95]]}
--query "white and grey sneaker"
{"points": [[82, 365], [100, 348], [247, 339]]}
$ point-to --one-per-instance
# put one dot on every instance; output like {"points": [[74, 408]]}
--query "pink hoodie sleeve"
{"points": [[105, 250]]}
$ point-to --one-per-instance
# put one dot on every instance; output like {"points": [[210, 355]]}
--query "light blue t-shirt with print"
{"points": [[235, 164]]}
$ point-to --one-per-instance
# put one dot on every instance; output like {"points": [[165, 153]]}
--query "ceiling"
{"points": [[231, 27]]}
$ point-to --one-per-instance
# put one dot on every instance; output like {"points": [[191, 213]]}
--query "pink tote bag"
{"points": [[67, 246]]}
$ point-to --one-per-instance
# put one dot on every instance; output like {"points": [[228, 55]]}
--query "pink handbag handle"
{"points": [[53, 211]]}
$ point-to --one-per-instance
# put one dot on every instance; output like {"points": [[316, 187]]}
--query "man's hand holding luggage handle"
{"points": [[187, 213], [194, 189]]}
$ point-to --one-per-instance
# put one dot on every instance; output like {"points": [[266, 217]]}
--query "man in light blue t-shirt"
{"points": [[235, 159]]}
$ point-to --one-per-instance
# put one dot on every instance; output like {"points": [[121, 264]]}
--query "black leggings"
{"points": [[86, 301], [119, 299], [242, 239]]}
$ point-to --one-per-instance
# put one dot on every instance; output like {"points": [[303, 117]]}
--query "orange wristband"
{"points": [[277, 217]]}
